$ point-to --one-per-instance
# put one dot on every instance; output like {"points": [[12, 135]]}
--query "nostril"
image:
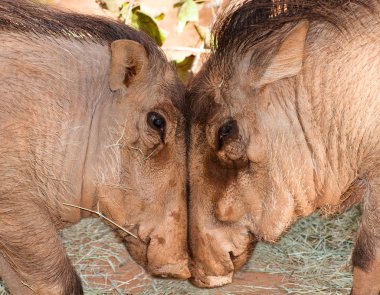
{"points": [[144, 235], [234, 258], [147, 241]]}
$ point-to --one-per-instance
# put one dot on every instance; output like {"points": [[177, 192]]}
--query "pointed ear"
{"points": [[287, 62], [128, 61]]}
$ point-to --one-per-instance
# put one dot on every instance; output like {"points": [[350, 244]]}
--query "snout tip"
{"points": [[178, 270], [212, 281]]}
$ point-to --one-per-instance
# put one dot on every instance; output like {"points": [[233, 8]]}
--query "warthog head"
{"points": [[143, 185], [113, 106], [242, 188]]}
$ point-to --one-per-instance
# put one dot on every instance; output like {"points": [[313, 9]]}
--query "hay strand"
{"points": [[103, 217]]}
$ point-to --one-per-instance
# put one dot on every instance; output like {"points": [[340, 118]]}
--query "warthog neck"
{"points": [[338, 106]]}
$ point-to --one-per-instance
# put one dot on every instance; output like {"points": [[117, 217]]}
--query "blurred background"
{"points": [[180, 27]]}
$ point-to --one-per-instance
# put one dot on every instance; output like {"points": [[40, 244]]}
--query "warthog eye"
{"points": [[226, 131], [157, 122]]}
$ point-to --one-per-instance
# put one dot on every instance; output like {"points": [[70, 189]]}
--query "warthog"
{"points": [[90, 116], [284, 121]]}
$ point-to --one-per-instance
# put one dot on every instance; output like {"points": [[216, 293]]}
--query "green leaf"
{"points": [[146, 23], [204, 34], [161, 16], [123, 10], [109, 5], [183, 67], [188, 11], [202, 31], [178, 4]]}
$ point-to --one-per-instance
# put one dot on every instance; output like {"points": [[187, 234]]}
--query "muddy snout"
{"points": [[167, 259], [161, 250], [203, 277], [216, 257]]}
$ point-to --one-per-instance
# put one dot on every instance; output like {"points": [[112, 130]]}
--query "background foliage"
{"points": [[139, 15]]}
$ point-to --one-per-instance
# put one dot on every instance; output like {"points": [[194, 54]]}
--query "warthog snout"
{"points": [[220, 240], [166, 250], [161, 250], [217, 253]]}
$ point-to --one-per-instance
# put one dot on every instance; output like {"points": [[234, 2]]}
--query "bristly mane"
{"points": [[26, 16], [248, 22]]}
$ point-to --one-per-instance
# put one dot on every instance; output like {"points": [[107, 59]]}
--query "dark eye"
{"points": [[157, 122], [226, 131]]}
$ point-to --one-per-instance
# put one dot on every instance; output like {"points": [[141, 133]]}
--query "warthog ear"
{"points": [[128, 60], [287, 62]]}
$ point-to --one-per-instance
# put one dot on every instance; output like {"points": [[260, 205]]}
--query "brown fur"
{"points": [[66, 137], [300, 78]]}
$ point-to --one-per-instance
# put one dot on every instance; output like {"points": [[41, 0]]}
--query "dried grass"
{"points": [[314, 257], [315, 254], [2, 290]]}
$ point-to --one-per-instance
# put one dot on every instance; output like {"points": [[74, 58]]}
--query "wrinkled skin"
{"points": [[93, 125], [149, 191], [277, 140]]}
